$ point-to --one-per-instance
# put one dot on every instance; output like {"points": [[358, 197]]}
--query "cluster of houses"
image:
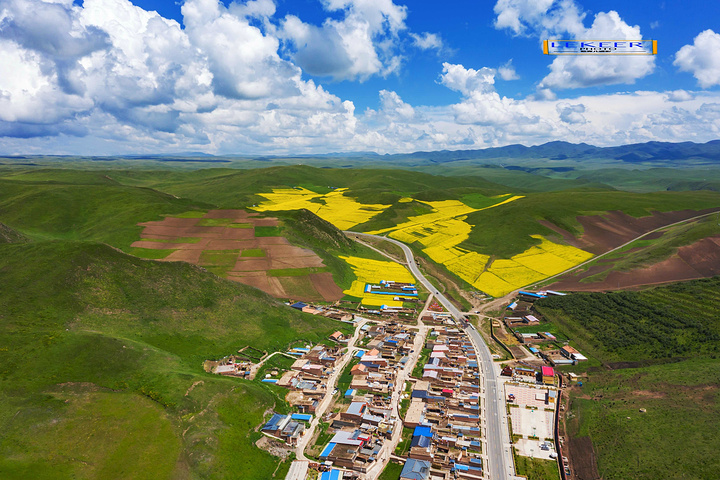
{"points": [[359, 429], [387, 351], [437, 318], [308, 375], [444, 412], [288, 428]]}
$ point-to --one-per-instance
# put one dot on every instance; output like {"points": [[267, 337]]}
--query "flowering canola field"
{"points": [[534, 264], [334, 207], [372, 271], [440, 233]]}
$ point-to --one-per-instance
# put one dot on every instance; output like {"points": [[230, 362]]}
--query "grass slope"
{"points": [[669, 338], [505, 231], [89, 334], [104, 213], [643, 253]]}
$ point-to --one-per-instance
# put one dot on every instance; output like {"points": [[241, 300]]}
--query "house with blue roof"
{"points": [[415, 470]]}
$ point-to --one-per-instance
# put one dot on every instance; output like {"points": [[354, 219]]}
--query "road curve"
{"points": [[497, 434]]}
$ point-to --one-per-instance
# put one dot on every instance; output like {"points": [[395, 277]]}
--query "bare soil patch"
{"points": [[262, 241], [250, 264], [605, 232], [237, 233], [266, 222], [252, 271], [326, 286], [296, 262], [583, 459], [231, 244], [274, 447], [698, 260], [190, 256]]}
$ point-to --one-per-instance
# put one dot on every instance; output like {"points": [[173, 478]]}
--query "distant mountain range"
{"points": [[632, 153]]}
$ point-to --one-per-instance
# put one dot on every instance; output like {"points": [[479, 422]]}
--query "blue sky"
{"points": [[313, 76]]}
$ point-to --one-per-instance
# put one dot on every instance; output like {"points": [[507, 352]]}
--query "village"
{"points": [[408, 391]]}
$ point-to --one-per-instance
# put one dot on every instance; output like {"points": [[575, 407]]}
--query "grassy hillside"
{"points": [[236, 188], [506, 231], [68, 211], [8, 235], [90, 334], [644, 252], [659, 350]]}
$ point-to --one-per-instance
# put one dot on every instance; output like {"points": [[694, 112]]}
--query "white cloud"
{"points": [[679, 96], [427, 41], [108, 77], [481, 104], [584, 71], [361, 44], [571, 113], [702, 58], [507, 71], [468, 80], [561, 18], [539, 17]]}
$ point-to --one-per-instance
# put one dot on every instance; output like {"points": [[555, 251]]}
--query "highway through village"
{"points": [[497, 437]]}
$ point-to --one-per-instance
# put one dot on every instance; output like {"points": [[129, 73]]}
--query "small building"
{"points": [[337, 336], [415, 470], [548, 375]]}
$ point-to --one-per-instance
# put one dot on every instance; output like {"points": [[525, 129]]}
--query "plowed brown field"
{"points": [[223, 247]]}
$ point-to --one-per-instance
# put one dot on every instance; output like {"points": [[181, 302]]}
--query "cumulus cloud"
{"points": [[571, 113], [564, 18], [507, 71], [585, 71], [109, 77], [679, 96], [702, 58], [361, 44], [539, 17], [481, 104], [427, 41]]}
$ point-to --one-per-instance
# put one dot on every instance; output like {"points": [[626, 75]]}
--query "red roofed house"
{"points": [[548, 375]]}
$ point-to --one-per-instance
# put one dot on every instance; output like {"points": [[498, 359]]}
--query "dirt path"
{"points": [[327, 399], [254, 369]]}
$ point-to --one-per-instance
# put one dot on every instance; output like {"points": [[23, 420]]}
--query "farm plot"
{"points": [[373, 271], [226, 243], [442, 231], [335, 207]]}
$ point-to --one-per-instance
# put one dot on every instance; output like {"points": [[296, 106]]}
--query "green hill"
{"points": [[65, 211], [90, 334], [658, 349]]}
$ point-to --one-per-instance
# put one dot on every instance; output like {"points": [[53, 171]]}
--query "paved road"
{"points": [[497, 435]]}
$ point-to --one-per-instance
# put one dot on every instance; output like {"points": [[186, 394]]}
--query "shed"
{"points": [[333, 474], [299, 305]]}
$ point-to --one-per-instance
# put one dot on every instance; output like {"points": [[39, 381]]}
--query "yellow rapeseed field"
{"points": [[373, 271], [534, 264], [441, 231], [342, 211]]}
